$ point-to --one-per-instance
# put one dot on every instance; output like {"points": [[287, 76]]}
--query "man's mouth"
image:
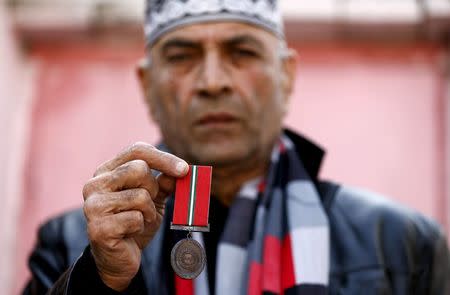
{"points": [[216, 119]]}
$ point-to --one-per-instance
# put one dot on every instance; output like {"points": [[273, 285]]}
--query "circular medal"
{"points": [[188, 258]]}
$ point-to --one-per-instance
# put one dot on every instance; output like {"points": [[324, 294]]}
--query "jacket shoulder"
{"points": [[365, 206], [67, 230], [396, 237], [60, 241]]}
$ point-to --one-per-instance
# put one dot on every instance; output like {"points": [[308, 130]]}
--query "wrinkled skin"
{"points": [[124, 206], [218, 92]]}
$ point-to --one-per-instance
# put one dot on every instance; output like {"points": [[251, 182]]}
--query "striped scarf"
{"points": [[276, 237]]}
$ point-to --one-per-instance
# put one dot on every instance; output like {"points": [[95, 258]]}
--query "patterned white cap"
{"points": [[162, 16]]}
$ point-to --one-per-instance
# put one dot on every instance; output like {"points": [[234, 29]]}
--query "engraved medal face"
{"points": [[188, 258]]}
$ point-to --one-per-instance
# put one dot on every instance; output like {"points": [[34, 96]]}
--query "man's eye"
{"points": [[245, 53], [180, 57]]}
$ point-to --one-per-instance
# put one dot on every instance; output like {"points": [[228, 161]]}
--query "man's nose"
{"points": [[214, 79]]}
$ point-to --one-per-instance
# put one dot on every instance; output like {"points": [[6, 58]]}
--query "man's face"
{"points": [[218, 91]]}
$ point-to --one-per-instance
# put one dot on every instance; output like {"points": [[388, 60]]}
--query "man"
{"points": [[217, 80]]}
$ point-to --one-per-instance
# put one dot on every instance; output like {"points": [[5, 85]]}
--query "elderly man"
{"points": [[217, 80]]}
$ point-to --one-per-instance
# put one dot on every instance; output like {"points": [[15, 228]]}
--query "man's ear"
{"points": [[142, 68], [289, 64], [143, 74]]}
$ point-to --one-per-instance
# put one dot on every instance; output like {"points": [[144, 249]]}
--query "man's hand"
{"points": [[124, 206]]}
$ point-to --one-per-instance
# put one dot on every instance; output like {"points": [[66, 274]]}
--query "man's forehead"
{"points": [[218, 32]]}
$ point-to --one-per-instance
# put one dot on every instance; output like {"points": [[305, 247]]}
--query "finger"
{"points": [[113, 203], [133, 174], [156, 159], [116, 226]]}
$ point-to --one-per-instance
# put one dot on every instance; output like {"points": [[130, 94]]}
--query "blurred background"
{"points": [[373, 89]]}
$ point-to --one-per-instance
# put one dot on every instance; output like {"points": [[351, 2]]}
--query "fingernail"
{"points": [[181, 167]]}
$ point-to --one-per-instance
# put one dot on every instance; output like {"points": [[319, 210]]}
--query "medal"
{"points": [[188, 258], [191, 210]]}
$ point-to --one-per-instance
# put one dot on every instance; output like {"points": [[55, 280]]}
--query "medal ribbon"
{"points": [[192, 198]]}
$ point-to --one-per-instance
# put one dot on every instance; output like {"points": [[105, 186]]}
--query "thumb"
{"points": [[166, 188]]}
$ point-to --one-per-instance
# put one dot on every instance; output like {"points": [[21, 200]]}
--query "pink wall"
{"points": [[382, 119], [376, 109], [15, 86]]}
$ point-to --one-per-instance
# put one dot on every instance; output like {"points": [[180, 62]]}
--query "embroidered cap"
{"points": [[162, 16]]}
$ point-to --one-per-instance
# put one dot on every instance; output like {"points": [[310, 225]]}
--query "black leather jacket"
{"points": [[377, 247]]}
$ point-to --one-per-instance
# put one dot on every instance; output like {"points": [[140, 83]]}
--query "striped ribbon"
{"points": [[191, 208]]}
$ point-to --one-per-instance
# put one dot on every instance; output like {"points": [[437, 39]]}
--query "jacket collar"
{"points": [[310, 153]]}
